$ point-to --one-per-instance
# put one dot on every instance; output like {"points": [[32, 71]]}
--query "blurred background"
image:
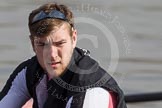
{"points": [[124, 36]]}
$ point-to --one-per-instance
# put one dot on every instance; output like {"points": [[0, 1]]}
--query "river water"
{"points": [[124, 36]]}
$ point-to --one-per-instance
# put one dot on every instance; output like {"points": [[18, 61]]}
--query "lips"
{"points": [[54, 64]]}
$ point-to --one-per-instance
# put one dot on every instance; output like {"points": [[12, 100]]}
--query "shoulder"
{"points": [[25, 63]]}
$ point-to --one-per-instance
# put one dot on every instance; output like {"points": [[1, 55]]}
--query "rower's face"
{"points": [[54, 52]]}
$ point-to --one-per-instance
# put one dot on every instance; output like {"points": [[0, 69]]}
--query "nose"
{"points": [[52, 52]]}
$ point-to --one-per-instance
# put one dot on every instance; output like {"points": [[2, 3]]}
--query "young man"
{"points": [[60, 75]]}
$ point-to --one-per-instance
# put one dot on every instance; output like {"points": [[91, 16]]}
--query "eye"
{"points": [[60, 43], [41, 44]]}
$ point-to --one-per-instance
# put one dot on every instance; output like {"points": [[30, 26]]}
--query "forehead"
{"points": [[57, 34]]}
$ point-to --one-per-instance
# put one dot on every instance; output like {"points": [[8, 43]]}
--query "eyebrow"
{"points": [[42, 42]]}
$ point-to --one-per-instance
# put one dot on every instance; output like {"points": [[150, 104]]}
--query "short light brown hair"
{"points": [[45, 26]]}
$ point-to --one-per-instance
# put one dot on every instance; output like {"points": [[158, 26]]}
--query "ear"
{"points": [[32, 42], [74, 38]]}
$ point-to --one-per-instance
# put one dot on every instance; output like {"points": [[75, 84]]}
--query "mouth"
{"points": [[54, 64]]}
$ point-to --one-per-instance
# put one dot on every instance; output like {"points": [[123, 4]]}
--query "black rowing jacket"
{"points": [[83, 77]]}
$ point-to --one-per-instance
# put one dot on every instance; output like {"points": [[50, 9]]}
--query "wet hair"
{"points": [[44, 26]]}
